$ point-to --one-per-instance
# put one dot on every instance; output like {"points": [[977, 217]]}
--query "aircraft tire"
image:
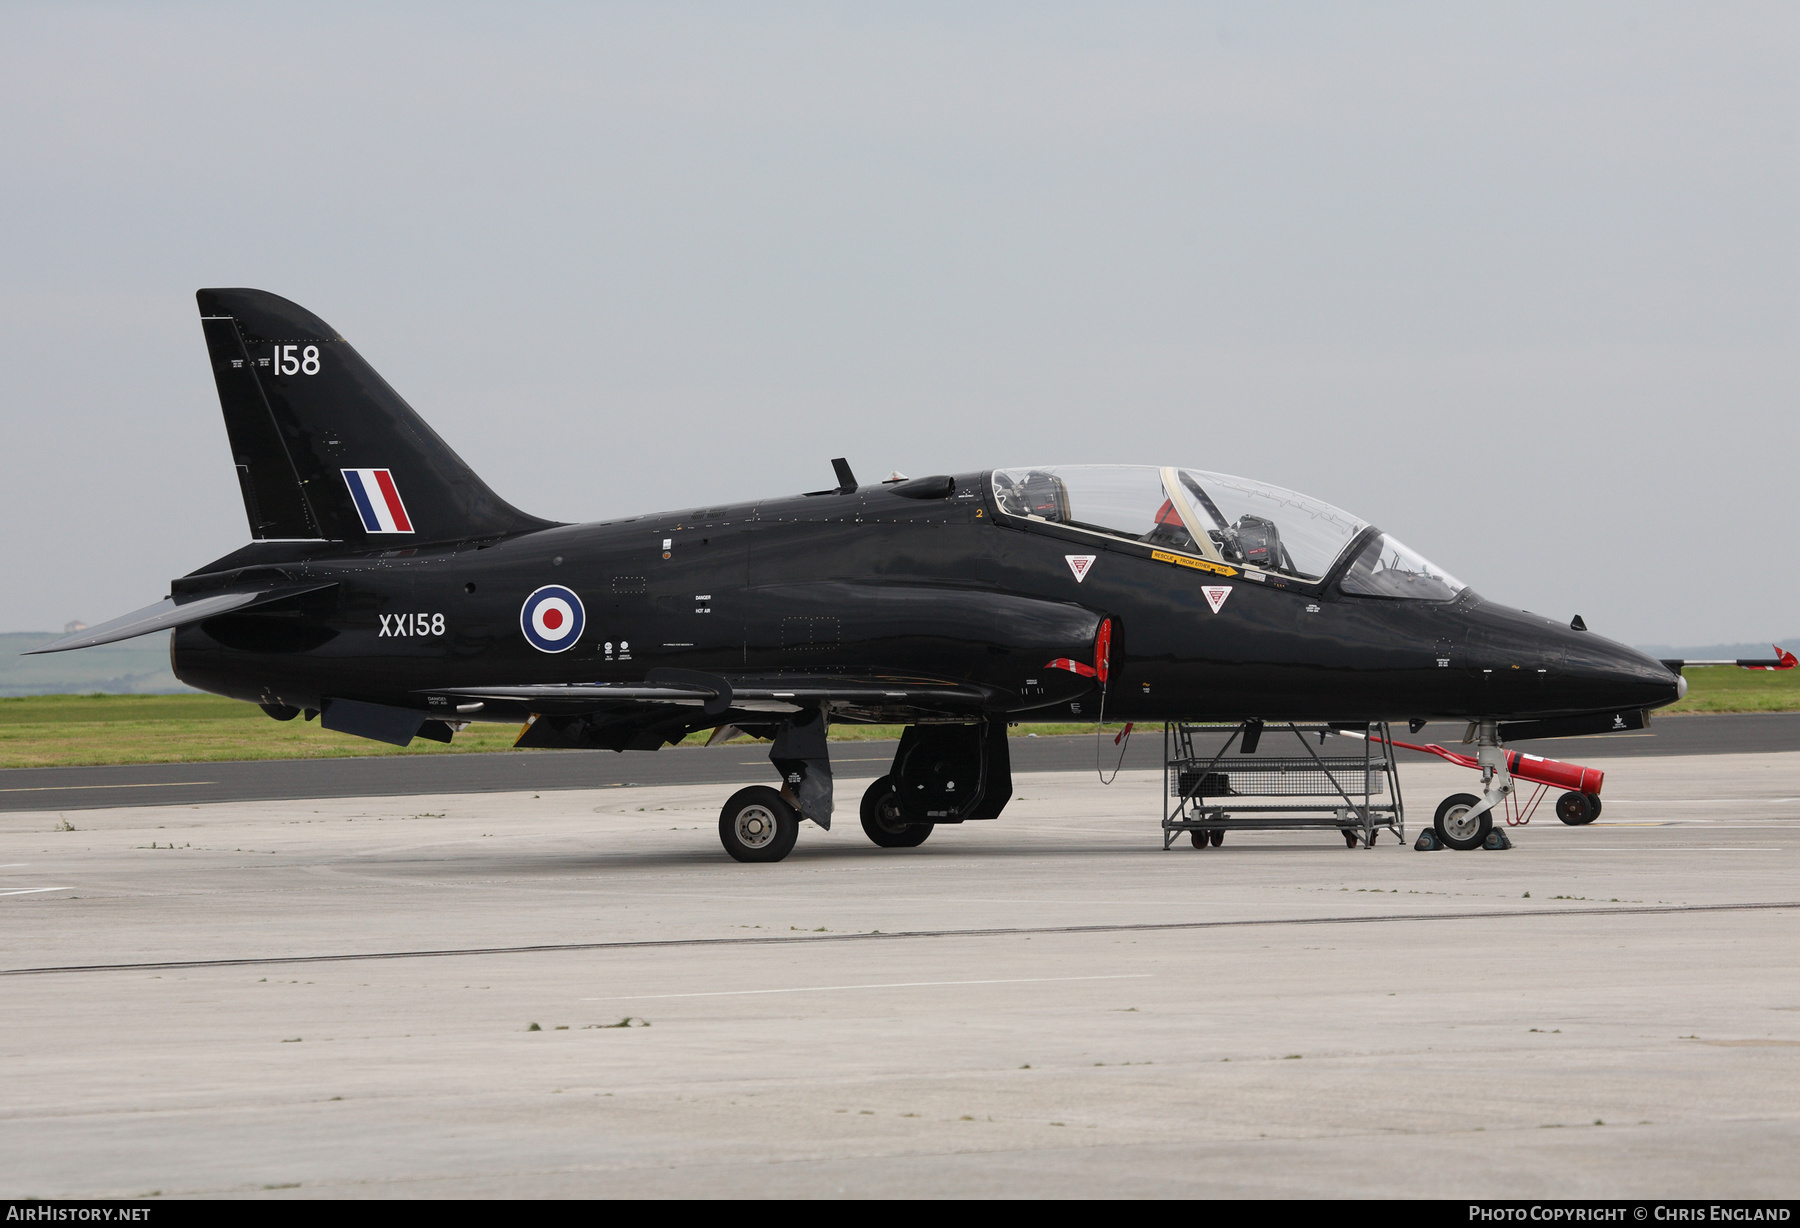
{"points": [[880, 823], [1456, 832], [1577, 809], [758, 825]]}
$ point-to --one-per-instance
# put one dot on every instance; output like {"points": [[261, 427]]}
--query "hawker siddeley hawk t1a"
{"points": [[389, 593]]}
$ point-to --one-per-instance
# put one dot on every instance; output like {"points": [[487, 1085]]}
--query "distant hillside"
{"points": [[131, 667]]}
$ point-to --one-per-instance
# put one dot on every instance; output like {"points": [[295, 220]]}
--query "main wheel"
{"points": [[1456, 828], [1576, 809], [757, 825], [881, 820]]}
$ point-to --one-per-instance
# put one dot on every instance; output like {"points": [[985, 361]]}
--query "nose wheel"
{"points": [[1457, 828], [758, 825]]}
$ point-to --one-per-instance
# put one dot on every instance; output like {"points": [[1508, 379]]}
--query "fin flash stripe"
{"points": [[377, 501]]}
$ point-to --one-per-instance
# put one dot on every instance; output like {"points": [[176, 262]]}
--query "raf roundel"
{"points": [[552, 618]]}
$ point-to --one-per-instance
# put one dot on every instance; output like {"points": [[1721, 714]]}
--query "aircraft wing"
{"points": [[178, 611], [670, 703], [716, 695]]}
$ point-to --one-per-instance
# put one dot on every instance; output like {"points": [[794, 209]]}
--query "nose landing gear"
{"points": [[1463, 820], [1460, 825]]}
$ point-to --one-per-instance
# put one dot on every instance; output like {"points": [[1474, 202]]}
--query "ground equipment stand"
{"points": [[1209, 791]]}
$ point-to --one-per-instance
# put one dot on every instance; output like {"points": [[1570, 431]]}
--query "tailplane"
{"points": [[325, 449]]}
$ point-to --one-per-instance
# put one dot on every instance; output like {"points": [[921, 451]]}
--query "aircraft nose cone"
{"points": [[1527, 663], [1627, 677]]}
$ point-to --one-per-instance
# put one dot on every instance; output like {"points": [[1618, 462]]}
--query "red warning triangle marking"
{"points": [[1216, 594], [1079, 564]]}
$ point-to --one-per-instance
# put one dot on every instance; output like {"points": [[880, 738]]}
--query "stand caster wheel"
{"points": [[881, 821], [757, 825], [1349, 838], [1454, 826], [1578, 809], [1200, 838]]}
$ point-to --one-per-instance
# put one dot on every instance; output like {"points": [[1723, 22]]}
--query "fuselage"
{"points": [[870, 583]]}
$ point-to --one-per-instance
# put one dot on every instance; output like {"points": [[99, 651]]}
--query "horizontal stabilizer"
{"points": [[173, 612]]}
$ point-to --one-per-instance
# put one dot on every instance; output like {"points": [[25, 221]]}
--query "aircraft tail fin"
{"points": [[325, 449]]}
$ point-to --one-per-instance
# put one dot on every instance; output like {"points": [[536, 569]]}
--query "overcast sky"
{"points": [[1518, 283]]}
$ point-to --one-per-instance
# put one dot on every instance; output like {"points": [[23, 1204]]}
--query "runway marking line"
{"points": [[148, 784], [32, 890], [551, 948], [737, 993]]}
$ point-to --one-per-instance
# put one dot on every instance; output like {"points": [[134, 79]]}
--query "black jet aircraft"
{"points": [[388, 592]]}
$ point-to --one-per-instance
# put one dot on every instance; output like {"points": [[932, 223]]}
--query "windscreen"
{"points": [[1386, 568]]}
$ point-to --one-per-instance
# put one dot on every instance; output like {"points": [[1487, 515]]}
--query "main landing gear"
{"points": [[949, 773], [883, 822], [757, 824]]}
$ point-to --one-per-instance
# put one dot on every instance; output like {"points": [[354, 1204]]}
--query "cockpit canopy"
{"points": [[1229, 520]]}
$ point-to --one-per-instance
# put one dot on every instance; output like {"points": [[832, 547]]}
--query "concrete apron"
{"points": [[1329, 1021]]}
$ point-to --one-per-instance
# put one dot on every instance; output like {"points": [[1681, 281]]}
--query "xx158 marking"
{"points": [[411, 624]]}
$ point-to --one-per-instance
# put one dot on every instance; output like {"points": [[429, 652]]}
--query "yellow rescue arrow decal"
{"points": [[1181, 560]]}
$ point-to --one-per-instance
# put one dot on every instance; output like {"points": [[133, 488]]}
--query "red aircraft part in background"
{"points": [[1783, 659]]}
